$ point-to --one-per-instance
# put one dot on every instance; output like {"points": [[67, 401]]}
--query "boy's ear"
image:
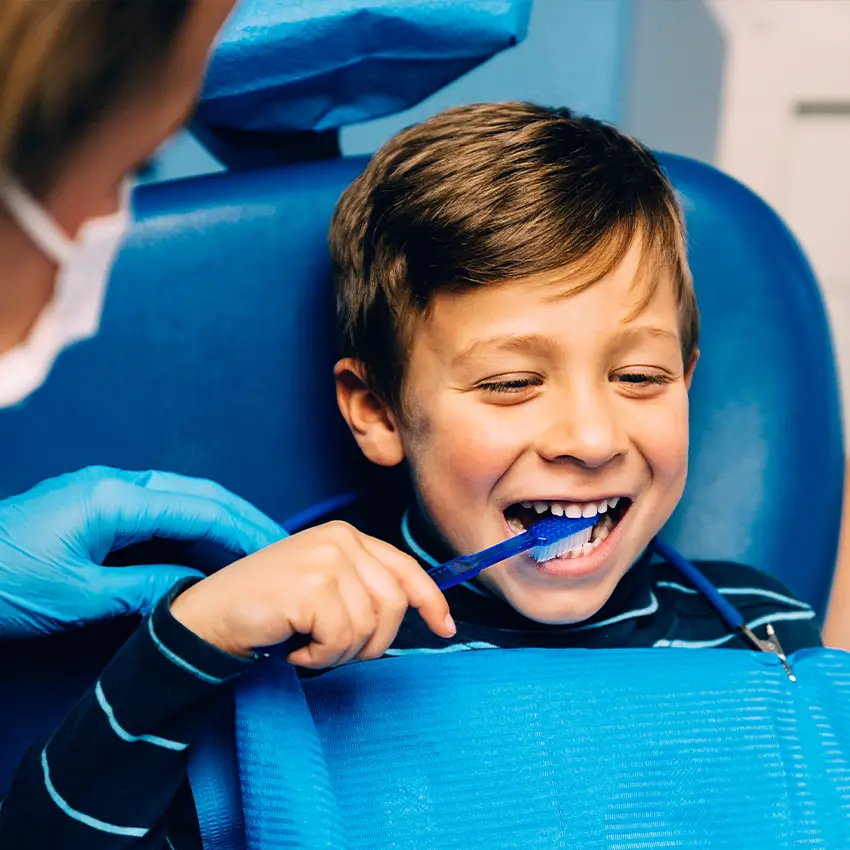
{"points": [[371, 421], [689, 368]]}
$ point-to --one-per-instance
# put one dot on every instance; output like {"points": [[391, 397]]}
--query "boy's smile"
{"points": [[523, 399]]}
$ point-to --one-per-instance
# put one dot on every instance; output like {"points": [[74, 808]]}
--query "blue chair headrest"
{"points": [[287, 65]]}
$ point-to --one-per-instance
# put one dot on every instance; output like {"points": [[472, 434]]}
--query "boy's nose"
{"points": [[584, 430]]}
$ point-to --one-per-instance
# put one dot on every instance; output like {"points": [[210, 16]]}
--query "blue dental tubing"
{"points": [[727, 612]]}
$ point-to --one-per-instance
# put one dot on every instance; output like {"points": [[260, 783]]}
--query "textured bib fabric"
{"points": [[615, 749]]}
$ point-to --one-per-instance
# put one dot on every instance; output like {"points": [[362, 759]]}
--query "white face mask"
{"points": [[73, 313]]}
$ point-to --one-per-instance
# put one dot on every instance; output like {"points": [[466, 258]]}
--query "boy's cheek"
{"points": [[466, 441], [662, 435], [672, 449], [468, 464]]}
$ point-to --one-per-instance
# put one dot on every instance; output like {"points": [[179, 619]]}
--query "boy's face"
{"points": [[522, 392]]}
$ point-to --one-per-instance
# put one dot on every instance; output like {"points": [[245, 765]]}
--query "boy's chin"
{"points": [[550, 606]]}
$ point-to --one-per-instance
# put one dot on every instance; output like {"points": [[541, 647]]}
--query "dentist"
{"points": [[89, 90]]}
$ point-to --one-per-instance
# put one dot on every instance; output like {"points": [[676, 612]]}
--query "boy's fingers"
{"points": [[361, 611], [331, 632], [390, 602], [421, 591]]}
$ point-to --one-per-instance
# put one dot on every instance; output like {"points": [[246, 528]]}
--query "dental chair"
{"points": [[215, 359]]}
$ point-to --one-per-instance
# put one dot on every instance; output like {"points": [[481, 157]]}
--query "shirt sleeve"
{"points": [[106, 777]]}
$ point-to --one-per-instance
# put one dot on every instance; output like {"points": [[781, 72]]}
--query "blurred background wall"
{"points": [[760, 88]]}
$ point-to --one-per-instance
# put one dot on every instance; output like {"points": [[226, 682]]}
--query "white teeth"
{"points": [[515, 525], [576, 545], [574, 509], [602, 529], [584, 549], [571, 510]]}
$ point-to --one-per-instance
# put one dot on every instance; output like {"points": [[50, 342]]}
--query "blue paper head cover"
{"points": [[315, 65]]}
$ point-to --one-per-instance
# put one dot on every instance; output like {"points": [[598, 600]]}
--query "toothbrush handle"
{"points": [[465, 567], [456, 571]]}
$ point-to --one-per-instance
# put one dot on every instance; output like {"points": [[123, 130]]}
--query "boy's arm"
{"points": [[108, 774], [107, 777]]}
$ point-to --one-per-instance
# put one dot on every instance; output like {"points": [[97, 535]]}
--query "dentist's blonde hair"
{"points": [[63, 63]]}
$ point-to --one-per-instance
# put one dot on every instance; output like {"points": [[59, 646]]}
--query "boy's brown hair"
{"points": [[485, 194]]}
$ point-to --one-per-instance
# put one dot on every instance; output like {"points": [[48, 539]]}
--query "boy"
{"points": [[520, 329]]}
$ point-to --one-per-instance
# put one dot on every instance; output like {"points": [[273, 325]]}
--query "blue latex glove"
{"points": [[55, 537]]}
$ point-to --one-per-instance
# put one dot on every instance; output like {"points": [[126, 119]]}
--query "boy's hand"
{"points": [[347, 590]]}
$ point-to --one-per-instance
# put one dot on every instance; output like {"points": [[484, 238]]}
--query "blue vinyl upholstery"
{"points": [[215, 359]]}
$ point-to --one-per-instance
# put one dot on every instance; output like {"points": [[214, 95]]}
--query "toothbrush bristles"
{"points": [[560, 547]]}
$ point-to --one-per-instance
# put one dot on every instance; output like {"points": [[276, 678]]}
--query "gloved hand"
{"points": [[55, 537]]}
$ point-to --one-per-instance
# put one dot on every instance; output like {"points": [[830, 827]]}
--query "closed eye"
{"points": [[643, 378], [510, 385]]}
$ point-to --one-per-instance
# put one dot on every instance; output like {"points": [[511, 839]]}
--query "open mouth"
{"points": [[520, 516]]}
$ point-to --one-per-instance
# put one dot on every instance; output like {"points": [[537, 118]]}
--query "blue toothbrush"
{"points": [[547, 539]]}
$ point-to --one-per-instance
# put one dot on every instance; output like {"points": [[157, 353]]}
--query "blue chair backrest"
{"points": [[215, 359]]}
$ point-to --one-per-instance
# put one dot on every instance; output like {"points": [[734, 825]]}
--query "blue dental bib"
{"points": [[529, 748]]}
